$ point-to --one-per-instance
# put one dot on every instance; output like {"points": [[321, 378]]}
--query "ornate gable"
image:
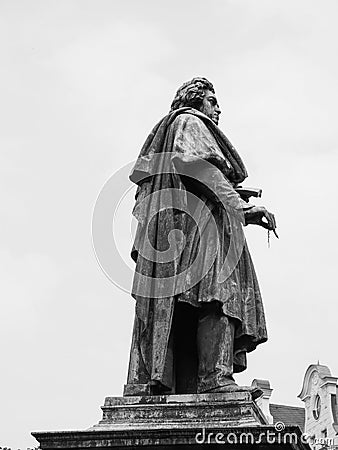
{"points": [[319, 393]]}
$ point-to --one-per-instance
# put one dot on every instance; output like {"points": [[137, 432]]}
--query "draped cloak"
{"points": [[186, 137]]}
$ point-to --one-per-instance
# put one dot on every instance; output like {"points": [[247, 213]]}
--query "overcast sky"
{"points": [[82, 84]]}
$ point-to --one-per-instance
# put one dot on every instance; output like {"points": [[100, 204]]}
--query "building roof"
{"points": [[289, 415]]}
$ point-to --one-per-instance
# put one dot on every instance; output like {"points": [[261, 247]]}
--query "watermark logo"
{"points": [[275, 435], [180, 211], [279, 426]]}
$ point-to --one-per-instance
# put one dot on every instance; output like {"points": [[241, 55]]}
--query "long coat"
{"points": [[187, 167]]}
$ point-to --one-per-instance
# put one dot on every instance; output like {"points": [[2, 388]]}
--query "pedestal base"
{"points": [[173, 421], [190, 410]]}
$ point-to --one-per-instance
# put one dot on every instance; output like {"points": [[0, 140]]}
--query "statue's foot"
{"points": [[228, 385], [233, 387], [255, 392]]}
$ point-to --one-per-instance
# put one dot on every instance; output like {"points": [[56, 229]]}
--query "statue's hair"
{"points": [[192, 93]]}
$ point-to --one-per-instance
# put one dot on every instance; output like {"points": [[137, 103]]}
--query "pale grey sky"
{"points": [[82, 84]]}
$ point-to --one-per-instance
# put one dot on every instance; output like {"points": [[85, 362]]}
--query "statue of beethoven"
{"points": [[193, 339]]}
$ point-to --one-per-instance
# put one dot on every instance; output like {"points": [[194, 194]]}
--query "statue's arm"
{"points": [[193, 147], [204, 178]]}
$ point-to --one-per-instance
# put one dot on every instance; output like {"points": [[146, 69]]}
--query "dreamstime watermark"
{"points": [[278, 435], [163, 208]]}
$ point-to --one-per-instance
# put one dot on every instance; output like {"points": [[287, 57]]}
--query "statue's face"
{"points": [[210, 106]]}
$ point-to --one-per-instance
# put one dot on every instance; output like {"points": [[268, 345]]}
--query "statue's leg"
{"points": [[215, 342]]}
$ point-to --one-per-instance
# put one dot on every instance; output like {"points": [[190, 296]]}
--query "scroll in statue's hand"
{"points": [[258, 215]]}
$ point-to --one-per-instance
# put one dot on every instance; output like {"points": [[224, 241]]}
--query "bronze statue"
{"points": [[192, 333]]}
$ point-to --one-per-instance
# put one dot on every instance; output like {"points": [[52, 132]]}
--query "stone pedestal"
{"points": [[180, 411], [172, 421]]}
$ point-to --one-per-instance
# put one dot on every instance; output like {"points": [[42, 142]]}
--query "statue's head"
{"points": [[199, 94]]}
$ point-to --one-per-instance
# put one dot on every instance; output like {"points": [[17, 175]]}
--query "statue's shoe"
{"points": [[233, 387]]}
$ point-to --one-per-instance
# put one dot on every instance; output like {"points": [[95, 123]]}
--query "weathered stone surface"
{"points": [[184, 411], [160, 421], [191, 421], [259, 437]]}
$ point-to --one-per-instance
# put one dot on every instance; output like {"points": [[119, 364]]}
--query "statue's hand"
{"points": [[258, 215]]}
